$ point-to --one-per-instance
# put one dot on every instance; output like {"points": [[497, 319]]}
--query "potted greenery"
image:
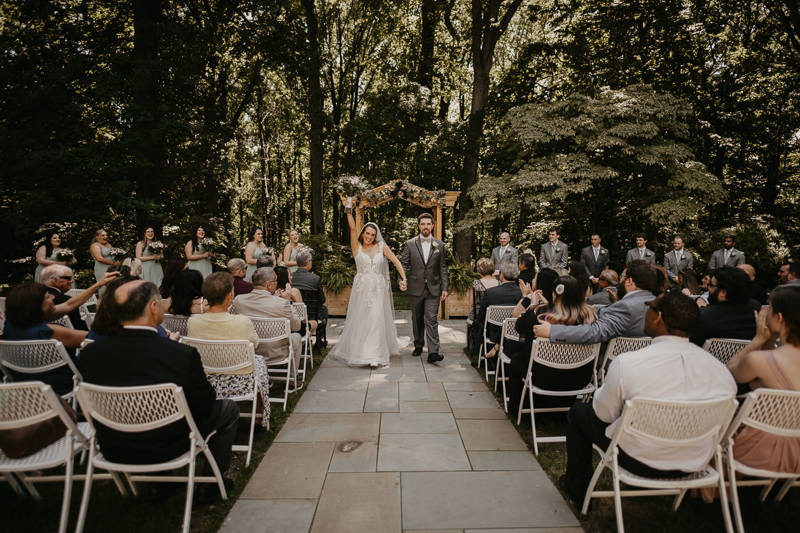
{"points": [[460, 277], [337, 277]]}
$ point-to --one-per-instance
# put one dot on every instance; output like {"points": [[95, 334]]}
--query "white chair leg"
{"points": [[8, 476], [87, 488], [252, 425], [588, 498], [522, 400], [785, 488], [533, 423], [723, 494], [617, 495], [737, 512], [28, 485], [505, 393], [62, 524], [767, 488], [678, 499], [132, 483], [187, 511], [118, 481], [215, 468]]}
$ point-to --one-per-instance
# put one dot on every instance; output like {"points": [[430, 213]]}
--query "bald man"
{"points": [[238, 269], [504, 252], [757, 291]]}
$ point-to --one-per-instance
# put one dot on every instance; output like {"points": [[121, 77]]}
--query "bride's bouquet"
{"points": [[208, 244], [64, 254], [156, 247], [118, 254], [352, 186]]}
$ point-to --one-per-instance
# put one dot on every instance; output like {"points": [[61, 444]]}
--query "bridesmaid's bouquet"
{"points": [[352, 186], [304, 248], [64, 254], [269, 251], [156, 247], [118, 254], [208, 244]]}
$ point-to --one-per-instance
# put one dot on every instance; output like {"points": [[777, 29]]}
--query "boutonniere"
{"points": [[558, 250], [683, 257], [733, 254], [647, 254], [602, 252], [435, 245]]}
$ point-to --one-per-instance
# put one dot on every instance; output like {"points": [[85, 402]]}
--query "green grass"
{"points": [[652, 514], [109, 511]]}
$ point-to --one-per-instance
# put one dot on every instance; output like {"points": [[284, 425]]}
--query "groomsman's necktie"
{"points": [[641, 253], [595, 254], [727, 256]]}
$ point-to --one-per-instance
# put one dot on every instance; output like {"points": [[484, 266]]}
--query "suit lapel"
{"points": [[419, 249]]}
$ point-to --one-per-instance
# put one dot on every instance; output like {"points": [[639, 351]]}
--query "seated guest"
{"points": [[595, 258], [304, 280], [579, 272], [134, 265], [507, 293], [263, 302], [138, 356], [662, 280], [607, 286], [219, 325], [757, 291], [27, 305], [789, 273], [569, 307], [527, 268], [616, 266], [641, 251], [287, 291], [487, 281], [623, 318], [671, 368], [504, 252], [265, 261], [174, 268], [58, 280], [238, 269], [187, 294], [106, 320], [729, 314], [762, 365], [688, 283]]}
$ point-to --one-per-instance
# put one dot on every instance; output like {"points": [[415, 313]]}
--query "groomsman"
{"points": [[641, 251], [504, 252], [554, 253], [677, 260], [594, 258], [728, 256]]}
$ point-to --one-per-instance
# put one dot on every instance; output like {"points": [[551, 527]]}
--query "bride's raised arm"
{"points": [[393, 258], [348, 204]]}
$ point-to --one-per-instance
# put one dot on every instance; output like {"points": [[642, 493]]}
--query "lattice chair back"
{"points": [[74, 292], [724, 349], [495, 314], [770, 410], [299, 311], [134, 409], [35, 356], [677, 424], [510, 329], [620, 345], [232, 310], [176, 323], [272, 329], [563, 356], [223, 357], [29, 402], [63, 321]]}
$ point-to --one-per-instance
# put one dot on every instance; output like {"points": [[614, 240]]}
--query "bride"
{"points": [[369, 335]]}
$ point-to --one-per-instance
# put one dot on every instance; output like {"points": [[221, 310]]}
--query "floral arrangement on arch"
{"points": [[396, 189]]}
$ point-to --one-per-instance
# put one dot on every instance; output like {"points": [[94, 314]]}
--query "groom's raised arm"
{"points": [[405, 260]]}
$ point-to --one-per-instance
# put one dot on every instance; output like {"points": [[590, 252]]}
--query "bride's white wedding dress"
{"points": [[369, 335]]}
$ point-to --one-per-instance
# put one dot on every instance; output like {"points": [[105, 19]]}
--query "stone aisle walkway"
{"points": [[411, 447]]}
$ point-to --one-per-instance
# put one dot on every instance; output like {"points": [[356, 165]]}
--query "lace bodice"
{"points": [[369, 277]]}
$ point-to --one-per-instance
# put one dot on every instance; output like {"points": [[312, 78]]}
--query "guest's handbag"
{"points": [[22, 442]]}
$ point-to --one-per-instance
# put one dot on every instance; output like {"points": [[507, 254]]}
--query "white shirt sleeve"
{"points": [[609, 399]]}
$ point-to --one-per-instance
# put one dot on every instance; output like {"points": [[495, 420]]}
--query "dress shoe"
{"points": [[417, 352], [209, 492], [434, 357]]}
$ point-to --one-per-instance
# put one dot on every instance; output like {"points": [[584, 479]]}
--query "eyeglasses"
{"points": [[649, 305], [66, 278]]}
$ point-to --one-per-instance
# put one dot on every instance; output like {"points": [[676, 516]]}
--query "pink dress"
{"points": [[766, 451]]}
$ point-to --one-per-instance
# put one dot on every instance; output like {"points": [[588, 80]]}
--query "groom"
{"points": [[426, 270]]}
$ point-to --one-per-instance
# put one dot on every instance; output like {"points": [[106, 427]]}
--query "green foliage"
{"points": [[460, 275], [336, 275]]}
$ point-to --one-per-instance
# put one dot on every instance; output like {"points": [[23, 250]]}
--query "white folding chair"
{"points": [[31, 357], [63, 321], [89, 319], [495, 314], [272, 330], [674, 425], [84, 308], [771, 411], [26, 403], [300, 312], [724, 349], [224, 357], [136, 410], [176, 323], [563, 357], [619, 345], [509, 332]]}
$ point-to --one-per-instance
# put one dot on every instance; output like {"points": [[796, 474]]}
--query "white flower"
{"points": [[558, 250], [647, 254], [733, 254], [435, 244], [602, 252]]}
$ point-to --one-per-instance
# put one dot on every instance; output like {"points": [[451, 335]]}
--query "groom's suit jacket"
{"points": [[420, 273]]}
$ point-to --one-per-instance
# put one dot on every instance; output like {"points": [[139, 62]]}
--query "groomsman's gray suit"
{"points": [[427, 279], [594, 267], [649, 256], [674, 265], [511, 255], [718, 259], [623, 318], [549, 258]]}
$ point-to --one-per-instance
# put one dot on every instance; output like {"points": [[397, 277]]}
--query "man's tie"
{"points": [[727, 256], [595, 254], [641, 254]]}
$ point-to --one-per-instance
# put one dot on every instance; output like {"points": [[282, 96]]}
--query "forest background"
{"points": [[608, 116]]}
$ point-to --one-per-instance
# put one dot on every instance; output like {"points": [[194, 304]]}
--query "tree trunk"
{"points": [[428, 42], [316, 119], [149, 146]]}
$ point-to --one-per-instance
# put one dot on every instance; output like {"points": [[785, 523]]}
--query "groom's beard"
{"points": [[425, 232]]}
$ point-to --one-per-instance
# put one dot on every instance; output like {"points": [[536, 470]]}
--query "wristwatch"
{"points": [[348, 210]]}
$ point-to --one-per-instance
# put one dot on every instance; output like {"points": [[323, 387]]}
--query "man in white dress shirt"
{"points": [[671, 368]]}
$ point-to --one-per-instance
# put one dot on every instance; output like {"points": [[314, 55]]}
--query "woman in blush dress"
{"points": [[197, 255], [255, 248], [47, 254], [101, 251], [291, 250], [151, 265]]}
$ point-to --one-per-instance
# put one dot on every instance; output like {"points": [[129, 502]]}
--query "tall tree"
{"points": [[316, 118]]}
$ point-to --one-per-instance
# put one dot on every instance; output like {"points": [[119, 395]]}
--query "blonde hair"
{"points": [[569, 304], [135, 265], [97, 234], [485, 266]]}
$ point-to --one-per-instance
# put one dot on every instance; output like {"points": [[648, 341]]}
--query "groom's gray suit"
{"points": [[427, 279]]}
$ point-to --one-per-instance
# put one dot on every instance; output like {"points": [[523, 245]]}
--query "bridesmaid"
{"points": [[254, 249], [101, 251], [291, 250], [151, 266], [197, 255], [46, 255]]}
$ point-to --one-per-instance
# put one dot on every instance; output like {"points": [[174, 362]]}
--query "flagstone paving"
{"points": [[413, 447]]}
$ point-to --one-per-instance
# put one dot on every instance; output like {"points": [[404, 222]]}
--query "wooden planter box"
{"points": [[456, 305], [337, 303]]}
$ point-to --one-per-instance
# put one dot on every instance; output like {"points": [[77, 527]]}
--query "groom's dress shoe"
{"points": [[417, 352], [434, 357]]}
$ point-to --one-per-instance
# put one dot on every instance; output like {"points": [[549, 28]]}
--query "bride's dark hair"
{"points": [[367, 225]]}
